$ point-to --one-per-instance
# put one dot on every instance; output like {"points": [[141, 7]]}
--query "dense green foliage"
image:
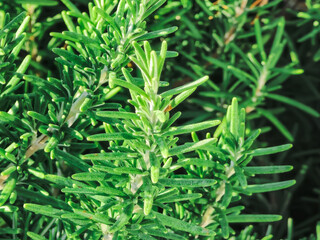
{"points": [[155, 119]]}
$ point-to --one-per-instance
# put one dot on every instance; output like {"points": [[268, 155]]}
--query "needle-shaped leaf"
{"points": [[190, 128], [156, 34], [71, 57], [62, 181], [109, 156], [240, 176], [39, 117], [276, 123], [178, 198], [8, 209], [13, 23], [121, 115], [102, 218], [72, 160], [294, 103], [44, 210], [184, 87], [87, 191], [111, 136], [9, 186], [151, 9], [90, 176], [111, 191], [248, 218], [35, 236], [271, 150], [187, 182], [189, 147], [200, 163], [183, 225], [268, 169], [130, 86], [38, 197], [181, 97], [268, 187], [258, 34]]}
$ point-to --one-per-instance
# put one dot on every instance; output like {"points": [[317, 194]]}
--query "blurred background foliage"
{"points": [[265, 53]]}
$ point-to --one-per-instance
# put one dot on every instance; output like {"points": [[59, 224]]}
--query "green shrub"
{"points": [[106, 134]]}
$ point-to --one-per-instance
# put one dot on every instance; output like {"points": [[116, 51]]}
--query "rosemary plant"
{"points": [[111, 139]]}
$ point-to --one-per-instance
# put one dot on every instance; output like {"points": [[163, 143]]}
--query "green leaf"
{"points": [[153, 8], [9, 186], [62, 181], [52, 143], [185, 87], [190, 128], [110, 170], [121, 115], [250, 140], [178, 198], [8, 118], [197, 162], [44, 210], [189, 147], [87, 191], [181, 97], [271, 150], [8, 209], [39, 2], [128, 170], [247, 218], [257, 30], [183, 225], [268, 187], [268, 169], [156, 34], [43, 84], [35, 236], [187, 182], [294, 103], [131, 87], [39, 117], [234, 120], [240, 176], [111, 191], [316, 56], [102, 218], [109, 156], [72, 160], [9, 230], [90, 176], [13, 23], [111, 136], [71, 57], [13, 82], [227, 195], [106, 17], [276, 123], [224, 225], [76, 37], [169, 54], [38, 197]]}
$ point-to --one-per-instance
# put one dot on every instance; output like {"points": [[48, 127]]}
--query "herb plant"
{"points": [[106, 134]]}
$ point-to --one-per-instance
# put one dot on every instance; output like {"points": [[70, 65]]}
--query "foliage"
{"points": [[114, 140]]}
